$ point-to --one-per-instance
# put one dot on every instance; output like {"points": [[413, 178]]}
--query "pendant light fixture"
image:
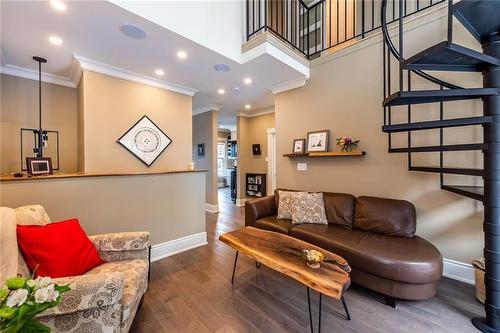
{"points": [[41, 134]]}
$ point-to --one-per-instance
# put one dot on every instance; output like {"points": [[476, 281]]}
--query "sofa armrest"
{"points": [[90, 291], [258, 208], [122, 245]]}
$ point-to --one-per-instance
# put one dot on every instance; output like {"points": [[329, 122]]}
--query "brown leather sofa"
{"points": [[375, 235]]}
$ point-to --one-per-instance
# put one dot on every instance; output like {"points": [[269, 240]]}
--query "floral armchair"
{"points": [[106, 298]]}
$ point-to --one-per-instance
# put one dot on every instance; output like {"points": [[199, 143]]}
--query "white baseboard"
{"points": [[167, 249], [241, 202], [211, 208], [457, 270]]}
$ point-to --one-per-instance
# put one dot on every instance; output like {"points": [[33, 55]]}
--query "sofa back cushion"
{"points": [[385, 216], [339, 207]]}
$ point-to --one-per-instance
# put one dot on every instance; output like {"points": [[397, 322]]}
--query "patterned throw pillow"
{"points": [[308, 208], [286, 199]]}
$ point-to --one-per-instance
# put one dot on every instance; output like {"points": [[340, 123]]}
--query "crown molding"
{"points": [[121, 73], [206, 108], [288, 85], [31, 74], [256, 113]]}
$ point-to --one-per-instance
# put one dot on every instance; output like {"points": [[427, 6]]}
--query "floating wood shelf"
{"points": [[328, 154]]}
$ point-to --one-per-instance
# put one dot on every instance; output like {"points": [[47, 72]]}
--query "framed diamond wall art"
{"points": [[145, 140]]}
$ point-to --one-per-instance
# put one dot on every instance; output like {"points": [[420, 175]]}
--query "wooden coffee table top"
{"points": [[282, 253]]}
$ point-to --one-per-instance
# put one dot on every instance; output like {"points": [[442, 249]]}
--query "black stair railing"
{"points": [[314, 26], [482, 20]]}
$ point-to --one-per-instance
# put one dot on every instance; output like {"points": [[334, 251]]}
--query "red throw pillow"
{"points": [[59, 249]]}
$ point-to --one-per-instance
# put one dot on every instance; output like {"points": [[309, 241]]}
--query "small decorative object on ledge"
{"points": [[145, 140], [313, 258], [347, 143]]}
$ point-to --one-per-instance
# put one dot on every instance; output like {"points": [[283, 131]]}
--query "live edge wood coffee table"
{"points": [[282, 253]]}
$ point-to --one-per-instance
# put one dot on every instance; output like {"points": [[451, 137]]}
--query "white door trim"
{"points": [[271, 160]]}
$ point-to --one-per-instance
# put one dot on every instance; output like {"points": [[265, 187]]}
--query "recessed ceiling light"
{"points": [[181, 54], [159, 72], [58, 5], [222, 68], [248, 106], [247, 80], [55, 40], [221, 91], [133, 31]]}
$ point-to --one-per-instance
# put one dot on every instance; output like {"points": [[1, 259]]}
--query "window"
{"points": [[221, 158]]}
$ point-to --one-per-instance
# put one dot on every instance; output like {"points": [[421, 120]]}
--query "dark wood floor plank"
{"points": [[191, 292]]}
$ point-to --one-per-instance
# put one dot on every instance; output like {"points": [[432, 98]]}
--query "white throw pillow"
{"points": [[285, 203], [308, 208]]}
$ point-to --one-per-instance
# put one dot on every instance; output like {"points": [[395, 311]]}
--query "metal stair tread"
{"points": [[430, 96], [449, 170], [425, 149], [450, 57], [474, 192], [480, 17], [425, 125]]}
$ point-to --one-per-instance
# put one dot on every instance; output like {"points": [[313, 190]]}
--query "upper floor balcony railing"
{"points": [[313, 26]]}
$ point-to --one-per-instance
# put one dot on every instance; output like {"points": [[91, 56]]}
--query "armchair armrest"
{"points": [[122, 246], [88, 292], [259, 208]]}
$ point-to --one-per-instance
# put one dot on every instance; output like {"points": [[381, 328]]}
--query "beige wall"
{"points": [[345, 95], [19, 108], [170, 206], [205, 131], [111, 106], [252, 131]]}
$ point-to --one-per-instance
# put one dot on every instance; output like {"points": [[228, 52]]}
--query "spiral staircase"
{"points": [[482, 19]]}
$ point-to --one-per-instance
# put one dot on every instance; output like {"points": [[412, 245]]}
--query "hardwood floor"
{"points": [[191, 292]]}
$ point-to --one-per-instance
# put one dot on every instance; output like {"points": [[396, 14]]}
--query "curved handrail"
{"points": [[396, 54]]}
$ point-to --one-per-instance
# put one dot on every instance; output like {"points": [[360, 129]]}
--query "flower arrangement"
{"points": [[23, 298], [347, 143]]}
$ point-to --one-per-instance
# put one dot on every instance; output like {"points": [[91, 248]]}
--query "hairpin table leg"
{"points": [[234, 267]]}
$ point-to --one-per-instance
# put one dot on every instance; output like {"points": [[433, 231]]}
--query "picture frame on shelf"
{"points": [[317, 141], [39, 166], [299, 146]]}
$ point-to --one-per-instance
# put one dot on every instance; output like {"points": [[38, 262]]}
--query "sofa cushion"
{"points": [[385, 216], [308, 208], [136, 281], [411, 260], [339, 208], [57, 249], [272, 223], [285, 205]]}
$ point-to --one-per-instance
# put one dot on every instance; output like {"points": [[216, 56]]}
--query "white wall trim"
{"points": [[32, 74], [206, 108], [241, 202], [257, 113], [175, 246], [211, 208], [288, 85], [457, 270], [121, 73]]}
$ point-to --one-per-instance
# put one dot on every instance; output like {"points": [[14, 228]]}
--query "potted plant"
{"points": [[21, 299], [347, 143]]}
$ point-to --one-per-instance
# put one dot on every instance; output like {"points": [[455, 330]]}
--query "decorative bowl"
{"points": [[313, 258]]}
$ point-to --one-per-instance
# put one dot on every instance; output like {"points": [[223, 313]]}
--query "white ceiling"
{"points": [[91, 29]]}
